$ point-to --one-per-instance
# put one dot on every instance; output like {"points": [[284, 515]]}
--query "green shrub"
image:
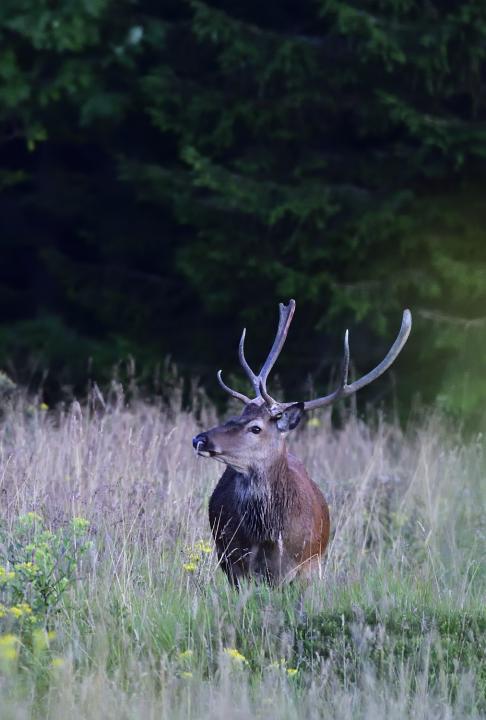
{"points": [[37, 567]]}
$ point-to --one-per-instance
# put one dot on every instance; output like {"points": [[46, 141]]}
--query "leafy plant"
{"points": [[37, 568]]}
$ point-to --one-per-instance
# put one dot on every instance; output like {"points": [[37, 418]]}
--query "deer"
{"points": [[270, 521]]}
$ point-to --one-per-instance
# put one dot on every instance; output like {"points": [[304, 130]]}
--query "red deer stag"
{"points": [[268, 518]]}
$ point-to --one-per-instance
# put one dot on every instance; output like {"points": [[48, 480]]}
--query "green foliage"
{"points": [[168, 169], [457, 639], [38, 566]]}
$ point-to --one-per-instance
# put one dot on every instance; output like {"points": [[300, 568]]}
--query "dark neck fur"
{"points": [[264, 498]]}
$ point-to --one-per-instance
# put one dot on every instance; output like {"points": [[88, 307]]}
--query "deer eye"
{"points": [[255, 429]]}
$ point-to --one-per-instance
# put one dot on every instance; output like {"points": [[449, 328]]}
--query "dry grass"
{"points": [[395, 628]]}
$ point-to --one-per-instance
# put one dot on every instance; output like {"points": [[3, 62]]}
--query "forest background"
{"points": [[170, 170]]}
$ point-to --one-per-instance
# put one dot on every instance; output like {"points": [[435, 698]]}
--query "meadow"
{"points": [[112, 604]]}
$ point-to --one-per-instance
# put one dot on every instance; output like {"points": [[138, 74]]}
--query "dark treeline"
{"points": [[170, 170]]}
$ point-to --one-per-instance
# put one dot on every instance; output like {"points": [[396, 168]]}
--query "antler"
{"points": [[345, 390], [233, 393], [259, 382]]}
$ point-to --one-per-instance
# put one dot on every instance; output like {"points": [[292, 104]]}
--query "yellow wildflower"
{"points": [[235, 655], [20, 610], [10, 653], [8, 640], [29, 568], [80, 524], [9, 647], [314, 422], [203, 547], [43, 406], [282, 665], [6, 575], [189, 567], [186, 655]]}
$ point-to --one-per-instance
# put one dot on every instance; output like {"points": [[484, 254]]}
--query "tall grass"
{"points": [[394, 628]]}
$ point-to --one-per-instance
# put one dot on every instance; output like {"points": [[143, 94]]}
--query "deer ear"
{"points": [[290, 417]]}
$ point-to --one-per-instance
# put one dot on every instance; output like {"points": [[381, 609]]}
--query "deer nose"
{"points": [[200, 441]]}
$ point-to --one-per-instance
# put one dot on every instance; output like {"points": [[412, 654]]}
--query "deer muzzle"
{"points": [[203, 445]]}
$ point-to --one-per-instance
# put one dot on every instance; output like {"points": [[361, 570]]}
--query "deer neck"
{"points": [[264, 497]]}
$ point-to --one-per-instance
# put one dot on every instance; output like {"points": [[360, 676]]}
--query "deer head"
{"points": [[254, 438]]}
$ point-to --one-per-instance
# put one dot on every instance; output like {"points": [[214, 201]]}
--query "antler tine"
{"points": [[259, 381], [230, 391], [344, 390], [285, 318], [270, 402], [390, 357], [254, 379], [340, 390]]}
